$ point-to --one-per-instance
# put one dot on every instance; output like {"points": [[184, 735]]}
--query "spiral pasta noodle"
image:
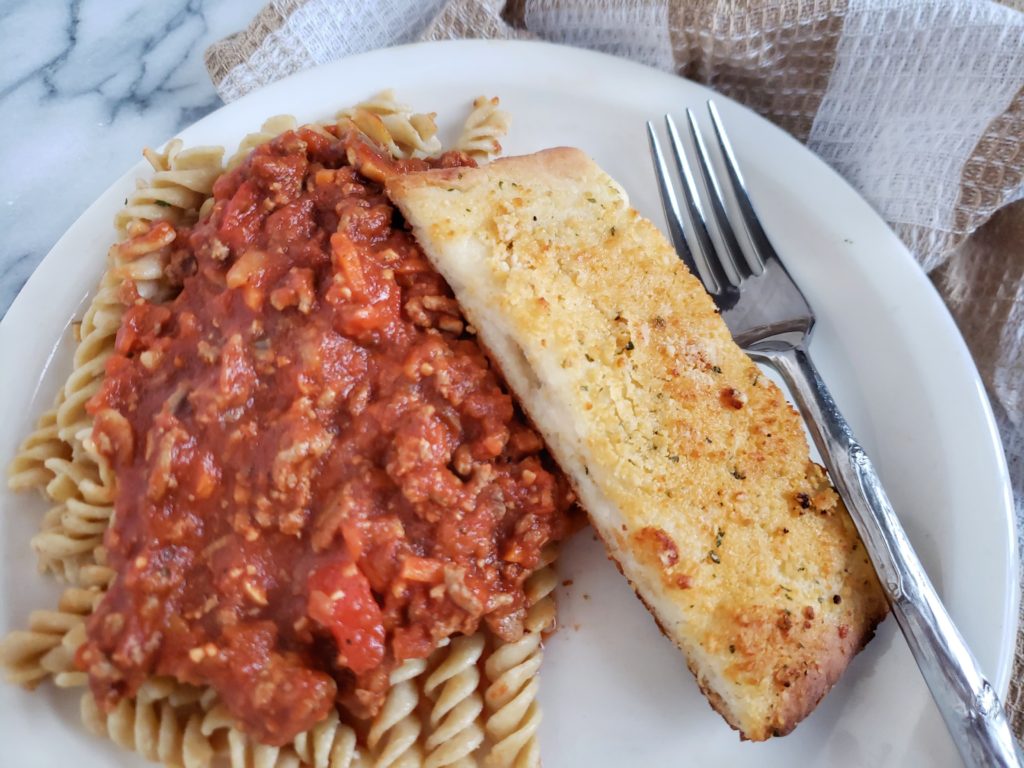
{"points": [[393, 737], [329, 744], [140, 259], [47, 648], [178, 725], [181, 181], [28, 469], [454, 719], [272, 128], [151, 724], [513, 713], [84, 484], [71, 533], [483, 129], [394, 126], [75, 475]]}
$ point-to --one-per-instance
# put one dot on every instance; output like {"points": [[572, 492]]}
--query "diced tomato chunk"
{"points": [[340, 600]]}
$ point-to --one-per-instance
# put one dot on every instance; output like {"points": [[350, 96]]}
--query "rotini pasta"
{"points": [[513, 714], [72, 532], [28, 469], [47, 648], [181, 181], [436, 712], [394, 126], [483, 129], [329, 744], [82, 482], [454, 721], [272, 128], [153, 725], [394, 734]]}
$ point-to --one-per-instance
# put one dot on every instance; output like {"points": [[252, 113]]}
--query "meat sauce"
{"points": [[319, 474]]}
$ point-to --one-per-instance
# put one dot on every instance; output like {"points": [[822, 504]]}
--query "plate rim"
{"points": [[34, 288]]}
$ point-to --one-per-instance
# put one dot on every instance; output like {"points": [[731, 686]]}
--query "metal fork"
{"points": [[772, 321]]}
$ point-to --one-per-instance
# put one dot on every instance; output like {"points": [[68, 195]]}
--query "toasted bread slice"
{"points": [[691, 464]]}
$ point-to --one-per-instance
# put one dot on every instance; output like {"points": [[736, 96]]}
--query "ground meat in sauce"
{"points": [[319, 474]]}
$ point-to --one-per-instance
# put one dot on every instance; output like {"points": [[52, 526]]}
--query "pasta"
{"points": [[394, 733], [482, 130], [330, 744], [71, 534], [454, 717], [46, 649], [272, 127], [394, 126], [74, 474], [181, 181], [149, 724], [437, 711], [28, 470], [176, 725], [513, 714]]}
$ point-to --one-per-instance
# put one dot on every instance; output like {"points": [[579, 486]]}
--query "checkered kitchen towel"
{"points": [[918, 103]]}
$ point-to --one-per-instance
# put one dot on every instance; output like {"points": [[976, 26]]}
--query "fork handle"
{"points": [[967, 701]]}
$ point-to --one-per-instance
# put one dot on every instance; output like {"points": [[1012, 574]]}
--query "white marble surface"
{"points": [[84, 85]]}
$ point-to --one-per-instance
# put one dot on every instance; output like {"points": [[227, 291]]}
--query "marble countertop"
{"points": [[84, 86]]}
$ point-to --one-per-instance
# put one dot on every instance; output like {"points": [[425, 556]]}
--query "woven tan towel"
{"points": [[920, 105]]}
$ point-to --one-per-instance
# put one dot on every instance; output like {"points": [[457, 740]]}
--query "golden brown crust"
{"points": [[692, 466]]}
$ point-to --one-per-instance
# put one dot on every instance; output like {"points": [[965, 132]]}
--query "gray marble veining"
{"points": [[84, 86]]}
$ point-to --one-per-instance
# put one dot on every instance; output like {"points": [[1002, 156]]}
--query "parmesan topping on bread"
{"points": [[692, 466]]}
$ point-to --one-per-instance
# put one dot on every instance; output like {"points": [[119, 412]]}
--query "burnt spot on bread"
{"points": [[808, 613], [785, 675], [732, 398], [653, 541], [683, 581], [785, 621]]}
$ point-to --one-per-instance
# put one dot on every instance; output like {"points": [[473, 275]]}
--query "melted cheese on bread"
{"points": [[692, 466]]}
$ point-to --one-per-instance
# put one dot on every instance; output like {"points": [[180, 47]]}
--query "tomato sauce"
{"points": [[319, 474]]}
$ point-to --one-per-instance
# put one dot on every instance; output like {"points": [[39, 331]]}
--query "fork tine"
{"points": [[715, 278], [733, 254], [763, 250], [670, 203]]}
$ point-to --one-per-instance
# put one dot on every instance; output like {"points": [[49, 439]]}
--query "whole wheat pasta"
{"points": [[455, 729], [81, 482], [181, 181], [71, 533], [162, 722], [394, 126], [28, 469], [394, 734], [271, 129], [513, 713], [483, 130], [46, 649]]}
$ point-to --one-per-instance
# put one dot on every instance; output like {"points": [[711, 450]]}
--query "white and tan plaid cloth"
{"points": [[919, 104]]}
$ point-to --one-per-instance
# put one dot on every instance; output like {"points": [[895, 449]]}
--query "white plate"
{"points": [[615, 693]]}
